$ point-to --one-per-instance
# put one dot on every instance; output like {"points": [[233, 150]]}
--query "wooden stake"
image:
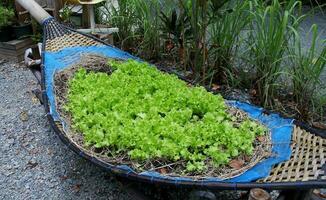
{"points": [[259, 194]]}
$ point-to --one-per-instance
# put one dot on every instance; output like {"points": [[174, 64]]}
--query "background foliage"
{"points": [[250, 45]]}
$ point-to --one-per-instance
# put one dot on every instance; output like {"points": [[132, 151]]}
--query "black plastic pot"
{"points": [[22, 31], [36, 52], [5, 33]]}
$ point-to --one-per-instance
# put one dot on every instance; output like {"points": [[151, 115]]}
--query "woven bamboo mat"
{"points": [[59, 37], [306, 162], [69, 40]]}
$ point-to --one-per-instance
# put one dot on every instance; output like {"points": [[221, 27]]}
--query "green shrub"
{"points": [[65, 14], [176, 31], [6, 15], [150, 115], [8, 3]]}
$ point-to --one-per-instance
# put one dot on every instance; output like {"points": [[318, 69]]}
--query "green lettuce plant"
{"points": [[140, 111]]}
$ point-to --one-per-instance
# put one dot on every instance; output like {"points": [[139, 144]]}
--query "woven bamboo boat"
{"points": [[305, 168]]}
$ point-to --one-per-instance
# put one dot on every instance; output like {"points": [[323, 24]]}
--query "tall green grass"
{"points": [[149, 27], [138, 22], [225, 39], [203, 16], [306, 69], [124, 17], [273, 26]]}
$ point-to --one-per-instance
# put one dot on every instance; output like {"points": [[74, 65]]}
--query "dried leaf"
{"points": [[236, 164], [169, 46], [23, 116], [261, 138], [253, 92], [319, 125], [76, 187], [215, 87], [246, 158], [163, 170], [35, 100], [64, 177]]}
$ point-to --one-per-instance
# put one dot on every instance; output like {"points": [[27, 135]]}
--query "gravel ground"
{"points": [[35, 164]]}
